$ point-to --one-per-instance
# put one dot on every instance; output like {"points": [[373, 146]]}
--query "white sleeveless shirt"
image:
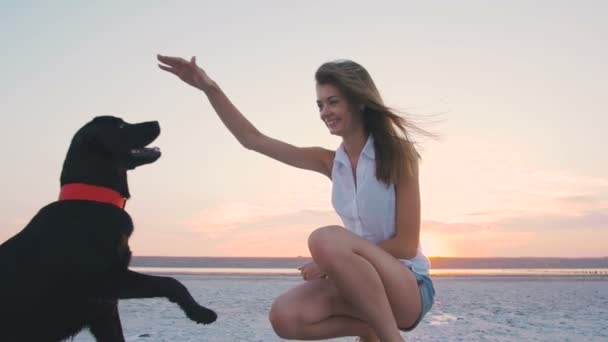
{"points": [[368, 209]]}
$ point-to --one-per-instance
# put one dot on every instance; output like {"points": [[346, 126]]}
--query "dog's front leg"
{"points": [[129, 284], [105, 324]]}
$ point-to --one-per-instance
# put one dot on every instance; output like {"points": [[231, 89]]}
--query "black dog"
{"points": [[68, 267]]}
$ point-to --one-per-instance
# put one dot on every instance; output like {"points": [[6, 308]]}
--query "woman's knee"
{"points": [[323, 243], [283, 319]]}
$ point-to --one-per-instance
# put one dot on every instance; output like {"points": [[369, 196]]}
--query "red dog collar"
{"points": [[87, 192]]}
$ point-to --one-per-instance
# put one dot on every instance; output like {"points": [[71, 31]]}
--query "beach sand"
{"points": [[530, 308]]}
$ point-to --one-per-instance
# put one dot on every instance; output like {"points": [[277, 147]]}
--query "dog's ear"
{"points": [[104, 133]]}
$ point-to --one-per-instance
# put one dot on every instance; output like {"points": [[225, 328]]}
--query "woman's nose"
{"points": [[324, 112]]}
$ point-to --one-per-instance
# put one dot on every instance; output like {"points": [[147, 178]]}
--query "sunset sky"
{"points": [[519, 87]]}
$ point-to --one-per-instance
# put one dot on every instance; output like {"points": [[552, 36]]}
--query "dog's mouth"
{"points": [[146, 152], [144, 155]]}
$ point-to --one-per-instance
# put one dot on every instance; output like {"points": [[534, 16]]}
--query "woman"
{"points": [[369, 279]]}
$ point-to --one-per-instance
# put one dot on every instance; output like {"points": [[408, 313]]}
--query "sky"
{"points": [[516, 91]]}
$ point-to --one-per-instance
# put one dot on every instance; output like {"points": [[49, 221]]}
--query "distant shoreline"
{"points": [[436, 262]]}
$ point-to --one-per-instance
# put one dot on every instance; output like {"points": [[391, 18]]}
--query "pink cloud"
{"points": [[478, 200], [228, 216], [273, 241], [308, 194], [488, 243], [475, 182]]}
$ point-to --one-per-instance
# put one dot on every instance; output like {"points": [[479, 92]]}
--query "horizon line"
{"points": [[430, 257]]}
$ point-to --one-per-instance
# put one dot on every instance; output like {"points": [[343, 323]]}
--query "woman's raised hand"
{"points": [[187, 71]]}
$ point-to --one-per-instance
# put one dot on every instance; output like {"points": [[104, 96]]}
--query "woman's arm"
{"points": [[404, 245], [310, 158]]}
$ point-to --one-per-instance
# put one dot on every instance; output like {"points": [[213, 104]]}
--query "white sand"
{"points": [[467, 309]]}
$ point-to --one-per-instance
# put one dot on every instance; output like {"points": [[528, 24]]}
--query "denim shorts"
{"points": [[427, 295]]}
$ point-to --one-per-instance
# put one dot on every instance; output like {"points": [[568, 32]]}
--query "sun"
{"points": [[435, 245]]}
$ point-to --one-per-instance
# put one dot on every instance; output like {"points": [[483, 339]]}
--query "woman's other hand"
{"points": [[311, 271]]}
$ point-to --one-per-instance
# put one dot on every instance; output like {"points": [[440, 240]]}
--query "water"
{"points": [[596, 272], [468, 308], [439, 266], [478, 300]]}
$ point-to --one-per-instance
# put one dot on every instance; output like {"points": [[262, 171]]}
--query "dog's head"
{"points": [[103, 150]]}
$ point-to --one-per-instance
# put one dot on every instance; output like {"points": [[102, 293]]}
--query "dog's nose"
{"points": [[153, 127]]}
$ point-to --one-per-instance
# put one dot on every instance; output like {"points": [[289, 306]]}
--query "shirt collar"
{"points": [[368, 151]]}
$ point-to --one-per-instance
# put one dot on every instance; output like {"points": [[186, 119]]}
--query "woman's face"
{"points": [[336, 112]]}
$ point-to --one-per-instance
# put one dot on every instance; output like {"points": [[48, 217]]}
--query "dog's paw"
{"points": [[202, 315]]}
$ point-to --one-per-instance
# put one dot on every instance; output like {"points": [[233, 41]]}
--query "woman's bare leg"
{"points": [[315, 310], [368, 291]]}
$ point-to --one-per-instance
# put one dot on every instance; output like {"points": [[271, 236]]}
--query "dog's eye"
{"points": [[122, 125]]}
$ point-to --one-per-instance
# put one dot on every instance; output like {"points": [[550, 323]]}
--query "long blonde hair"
{"points": [[391, 132]]}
